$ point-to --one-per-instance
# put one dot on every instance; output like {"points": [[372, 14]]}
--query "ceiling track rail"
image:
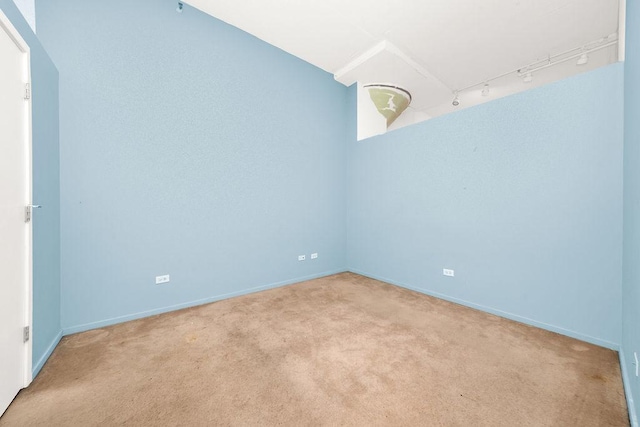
{"points": [[550, 61]]}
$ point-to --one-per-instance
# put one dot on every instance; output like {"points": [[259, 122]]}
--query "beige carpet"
{"points": [[342, 350]]}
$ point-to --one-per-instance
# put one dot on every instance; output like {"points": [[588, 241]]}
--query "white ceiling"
{"points": [[431, 47]]}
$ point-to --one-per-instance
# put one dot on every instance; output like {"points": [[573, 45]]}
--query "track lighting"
{"points": [[584, 58], [180, 6], [579, 54], [456, 100]]}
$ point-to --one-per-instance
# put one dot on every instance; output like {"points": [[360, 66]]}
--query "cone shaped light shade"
{"points": [[390, 100]]}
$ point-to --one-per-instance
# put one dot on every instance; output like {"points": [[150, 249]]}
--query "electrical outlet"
{"points": [[162, 279], [301, 257], [447, 272], [314, 255]]}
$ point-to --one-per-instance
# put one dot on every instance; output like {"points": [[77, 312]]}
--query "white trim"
{"points": [[29, 130], [505, 314], [622, 29], [13, 33]]}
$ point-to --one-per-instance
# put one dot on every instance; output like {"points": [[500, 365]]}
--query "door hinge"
{"points": [[25, 334], [27, 212], [27, 91]]}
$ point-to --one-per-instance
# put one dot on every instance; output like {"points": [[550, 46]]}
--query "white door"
{"points": [[15, 195]]}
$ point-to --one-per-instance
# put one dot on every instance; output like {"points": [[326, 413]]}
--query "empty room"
{"points": [[420, 213]]}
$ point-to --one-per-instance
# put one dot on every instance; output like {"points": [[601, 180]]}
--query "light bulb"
{"points": [[584, 58]]}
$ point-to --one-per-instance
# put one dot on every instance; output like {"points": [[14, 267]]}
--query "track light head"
{"points": [[584, 58], [180, 6], [527, 78], [485, 90], [456, 100]]}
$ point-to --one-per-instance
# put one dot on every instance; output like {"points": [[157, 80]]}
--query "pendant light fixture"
{"points": [[390, 101]]}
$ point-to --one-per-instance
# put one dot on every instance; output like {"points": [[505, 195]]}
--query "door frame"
{"points": [[13, 33]]}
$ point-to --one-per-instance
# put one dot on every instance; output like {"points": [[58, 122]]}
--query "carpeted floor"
{"points": [[341, 350]]}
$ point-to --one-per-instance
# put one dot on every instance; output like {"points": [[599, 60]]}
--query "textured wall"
{"points": [[46, 192], [631, 271], [188, 148], [522, 197]]}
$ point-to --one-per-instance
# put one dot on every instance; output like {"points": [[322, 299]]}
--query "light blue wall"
{"points": [[193, 149], [188, 148], [46, 192], [521, 196], [28, 10], [631, 271]]}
